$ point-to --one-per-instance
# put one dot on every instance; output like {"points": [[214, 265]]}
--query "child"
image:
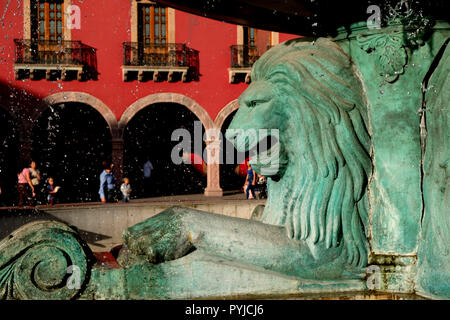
{"points": [[261, 185], [125, 188], [52, 190]]}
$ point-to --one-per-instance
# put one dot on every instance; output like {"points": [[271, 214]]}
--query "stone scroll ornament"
{"points": [[312, 236], [35, 261]]}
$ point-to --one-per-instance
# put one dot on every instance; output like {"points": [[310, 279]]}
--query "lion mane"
{"points": [[322, 195]]}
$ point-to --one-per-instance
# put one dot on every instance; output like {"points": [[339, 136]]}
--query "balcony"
{"points": [[65, 60], [159, 62], [242, 59]]}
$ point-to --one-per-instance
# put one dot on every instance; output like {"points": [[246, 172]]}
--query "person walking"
{"points": [[35, 176], [107, 184], [147, 170], [251, 180], [23, 182]]}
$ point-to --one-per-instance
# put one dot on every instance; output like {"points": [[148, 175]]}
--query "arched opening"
{"points": [[70, 142], [231, 175], [9, 151], [148, 135]]}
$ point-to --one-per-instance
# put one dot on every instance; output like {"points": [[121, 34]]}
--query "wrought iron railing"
{"points": [[56, 53], [161, 55], [244, 56]]}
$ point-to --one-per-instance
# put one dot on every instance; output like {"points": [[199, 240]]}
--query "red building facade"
{"points": [[118, 58]]}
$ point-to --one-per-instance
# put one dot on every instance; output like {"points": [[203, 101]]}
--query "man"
{"points": [[107, 184], [148, 167]]}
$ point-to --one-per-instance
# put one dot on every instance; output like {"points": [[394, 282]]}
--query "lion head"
{"points": [[319, 163]]}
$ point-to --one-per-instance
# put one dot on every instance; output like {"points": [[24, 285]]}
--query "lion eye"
{"points": [[254, 103]]}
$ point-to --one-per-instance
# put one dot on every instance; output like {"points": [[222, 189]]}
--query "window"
{"points": [[251, 43], [250, 36], [46, 49], [152, 52], [250, 47], [152, 24], [49, 20]]}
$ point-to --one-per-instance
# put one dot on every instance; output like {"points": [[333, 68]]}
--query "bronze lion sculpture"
{"points": [[314, 225]]}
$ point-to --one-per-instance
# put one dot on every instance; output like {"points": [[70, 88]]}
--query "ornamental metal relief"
{"points": [[389, 52]]}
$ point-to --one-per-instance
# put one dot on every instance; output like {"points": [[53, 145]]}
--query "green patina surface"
{"points": [[433, 278], [395, 98], [345, 188]]}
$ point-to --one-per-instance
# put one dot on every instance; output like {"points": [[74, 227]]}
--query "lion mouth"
{"points": [[264, 154], [263, 146], [252, 141]]}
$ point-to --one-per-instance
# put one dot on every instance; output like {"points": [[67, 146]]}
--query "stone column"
{"points": [[213, 169], [117, 158], [117, 153]]}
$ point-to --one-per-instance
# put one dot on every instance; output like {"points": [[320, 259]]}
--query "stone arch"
{"points": [[225, 113], [219, 122], [213, 186], [81, 97], [94, 134], [100, 107], [167, 97]]}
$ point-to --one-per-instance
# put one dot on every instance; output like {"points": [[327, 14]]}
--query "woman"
{"points": [[35, 176], [23, 182]]}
